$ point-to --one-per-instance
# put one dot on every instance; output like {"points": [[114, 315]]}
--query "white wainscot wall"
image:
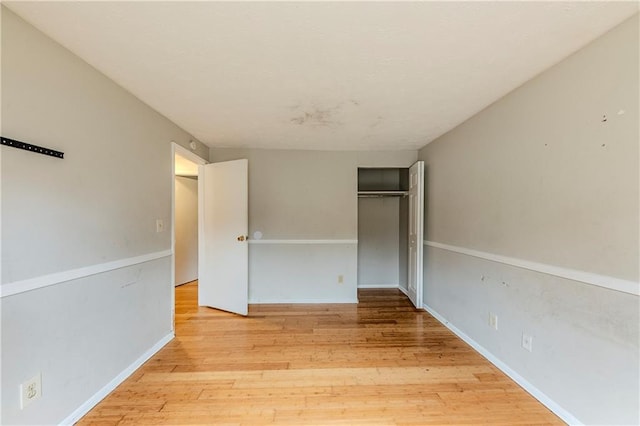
{"points": [[584, 362], [303, 271], [84, 336]]}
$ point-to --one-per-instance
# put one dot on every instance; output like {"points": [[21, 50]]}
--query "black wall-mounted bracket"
{"points": [[33, 148]]}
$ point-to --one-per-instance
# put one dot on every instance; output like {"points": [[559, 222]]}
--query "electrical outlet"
{"points": [[527, 342], [159, 225], [493, 320], [30, 391], [340, 279]]}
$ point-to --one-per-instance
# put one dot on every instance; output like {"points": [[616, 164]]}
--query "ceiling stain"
{"points": [[377, 121], [317, 116], [413, 66]]}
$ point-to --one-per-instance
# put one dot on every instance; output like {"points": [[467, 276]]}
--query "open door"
{"points": [[222, 236], [416, 221]]}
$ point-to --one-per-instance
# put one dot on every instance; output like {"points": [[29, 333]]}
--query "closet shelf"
{"points": [[367, 194]]}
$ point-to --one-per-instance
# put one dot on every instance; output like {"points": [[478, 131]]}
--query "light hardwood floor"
{"points": [[380, 362]]}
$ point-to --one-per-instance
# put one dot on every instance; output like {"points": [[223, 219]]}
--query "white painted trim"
{"points": [[612, 283], [524, 383], [29, 284], [102, 393], [200, 224], [378, 286], [1, 194], [189, 155], [300, 301], [419, 212], [303, 241]]}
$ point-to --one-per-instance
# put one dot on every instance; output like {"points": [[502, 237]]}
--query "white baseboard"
{"points": [[378, 286], [102, 393], [300, 301], [526, 385]]}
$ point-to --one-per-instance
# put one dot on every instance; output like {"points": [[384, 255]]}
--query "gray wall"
{"points": [[378, 242], [540, 176], [186, 229], [97, 205], [307, 198]]}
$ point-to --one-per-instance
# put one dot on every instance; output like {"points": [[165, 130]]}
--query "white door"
{"points": [[416, 220], [222, 236]]}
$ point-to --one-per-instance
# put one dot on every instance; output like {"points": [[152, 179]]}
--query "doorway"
{"points": [[184, 219]]}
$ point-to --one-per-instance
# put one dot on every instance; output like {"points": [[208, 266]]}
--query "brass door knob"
{"points": [[241, 238]]}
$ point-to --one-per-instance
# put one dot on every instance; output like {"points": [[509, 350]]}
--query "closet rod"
{"points": [[376, 194]]}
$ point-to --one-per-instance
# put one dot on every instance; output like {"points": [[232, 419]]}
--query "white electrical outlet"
{"points": [[30, 391], [159, 225], [527, 342], [493, 320]]}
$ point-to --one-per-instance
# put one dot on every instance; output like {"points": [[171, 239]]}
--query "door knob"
{"points": [[241, 238]]}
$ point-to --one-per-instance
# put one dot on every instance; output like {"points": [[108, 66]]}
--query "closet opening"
{"points": [[383, 228]]}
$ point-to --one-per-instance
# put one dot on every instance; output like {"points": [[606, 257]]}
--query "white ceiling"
{"points": [[322, 75]]}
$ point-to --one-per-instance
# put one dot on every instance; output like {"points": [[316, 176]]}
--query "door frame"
{"points": [[191, 156]]}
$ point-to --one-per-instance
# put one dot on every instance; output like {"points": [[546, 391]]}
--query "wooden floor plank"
{"points": [[380, 362]]}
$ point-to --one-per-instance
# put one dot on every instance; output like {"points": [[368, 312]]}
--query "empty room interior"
{"points": [[369, 213]]}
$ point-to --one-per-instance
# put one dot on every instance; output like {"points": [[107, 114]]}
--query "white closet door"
{"points": [[416, 221]]}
